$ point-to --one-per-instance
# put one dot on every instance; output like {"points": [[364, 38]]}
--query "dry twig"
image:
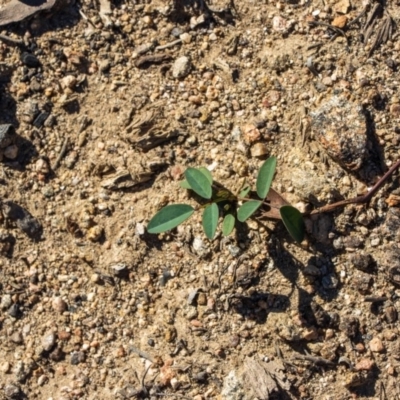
{"points": [[360, 199]]}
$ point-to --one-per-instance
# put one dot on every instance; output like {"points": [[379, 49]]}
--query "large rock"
{"points": [[340, 127]]}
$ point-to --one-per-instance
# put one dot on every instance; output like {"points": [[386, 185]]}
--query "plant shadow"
{"points": [[257, 305]]}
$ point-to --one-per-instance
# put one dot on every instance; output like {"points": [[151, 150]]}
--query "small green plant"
{"points": [[218, 201]]}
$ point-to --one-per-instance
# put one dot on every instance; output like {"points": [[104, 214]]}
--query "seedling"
{"points": [[220, 202]]}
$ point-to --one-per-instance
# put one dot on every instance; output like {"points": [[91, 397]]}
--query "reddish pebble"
{"points": [[365, 364]]}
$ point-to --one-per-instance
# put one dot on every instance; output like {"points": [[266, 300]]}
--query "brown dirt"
{"points": [[90, 301]]}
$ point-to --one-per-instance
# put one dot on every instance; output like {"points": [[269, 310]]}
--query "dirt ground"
{"points": [[108, 104]]}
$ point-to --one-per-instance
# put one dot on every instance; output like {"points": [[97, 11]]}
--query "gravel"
{"points": [[102, 112]]}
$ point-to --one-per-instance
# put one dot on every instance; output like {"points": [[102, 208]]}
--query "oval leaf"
{"points": [[210, 220], [169, 217], [207, 174], [245, 191], [247, 209], [265, 176], [198, 182], [184, 184], [228, 224], [294, 222]]}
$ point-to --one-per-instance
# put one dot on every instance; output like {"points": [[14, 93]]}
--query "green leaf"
{"points": [[210, 220], [184, 184], [199, 182], [265, 176], [247, 209], [245, 191], [228, 224], [169, 217], [294, 222], [207, 174]]}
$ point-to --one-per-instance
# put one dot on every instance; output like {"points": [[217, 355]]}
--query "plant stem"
{"points": [[359, 199], [267, 203]]}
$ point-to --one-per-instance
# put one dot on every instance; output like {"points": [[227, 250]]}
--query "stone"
{"points": [[5, 302], [11, 152], [57, 354], [376, 345], [250, 133], [17, 338], [30, 60], [14, 311], [59, 305], [259, 150], [186, 37], [12, 391], [361, 261], [280, 24], [23, 219], [340, 128], [104, 65], [365, 364], [362, 281], [342, 6], [340, 21], [310, 334], [77, 357], [181, 67], [232, 387], [395, 109], [7, 134], [48, 341], [391, 314]]}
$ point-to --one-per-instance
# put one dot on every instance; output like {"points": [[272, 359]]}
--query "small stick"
{"points": [[86, 18], [143, 378], [168, 45], [10, 41], [356, 19], [62, 154], [141, 353], [360, 199], [173, 394], [375, 299], [320, 361], [331, 27]]}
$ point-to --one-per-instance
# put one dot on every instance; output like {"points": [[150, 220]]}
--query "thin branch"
{"points": [[11, 41], [360, 199], [62, 153]]}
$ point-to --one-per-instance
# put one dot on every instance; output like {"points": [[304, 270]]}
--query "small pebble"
{"points": [[376, 345], [12, 391], [57, 354], [48, 341], [59, 305], [95, 233], [181, 67], [186, 37], [174, 383], [14, 311], [30, 60], [5, 367], [17, 338], [365, 364], [104, 65], [259, 150], [11, 152], [42, 380], [77, 357], [250, 133]]}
